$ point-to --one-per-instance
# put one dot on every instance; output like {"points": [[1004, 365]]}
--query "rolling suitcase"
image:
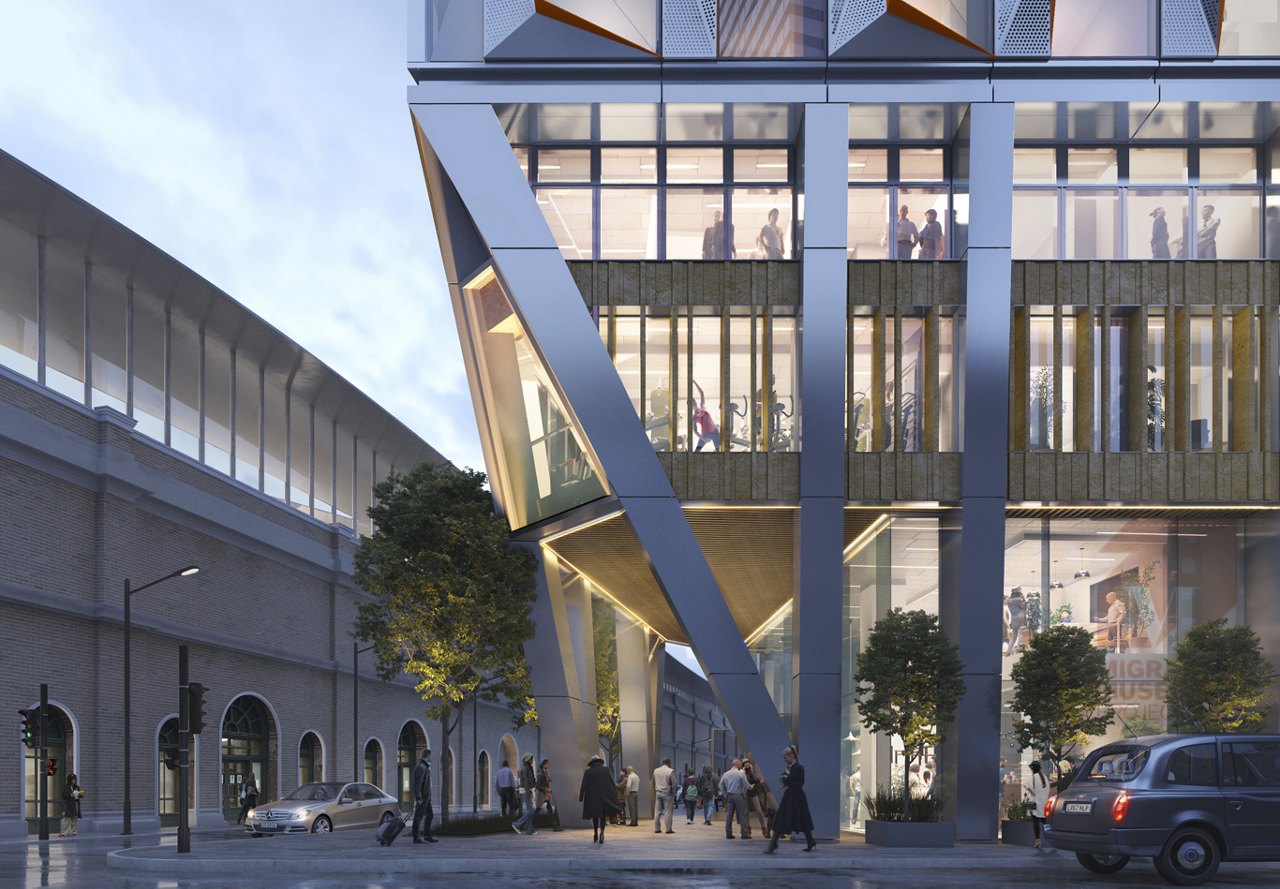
{"points": [[387, 833]]}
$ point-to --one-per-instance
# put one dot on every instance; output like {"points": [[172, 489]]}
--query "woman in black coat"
{"points": [[597, 797], [793, 812]]}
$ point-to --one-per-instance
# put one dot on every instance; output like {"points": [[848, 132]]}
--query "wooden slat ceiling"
{"points": [[750, 551]]}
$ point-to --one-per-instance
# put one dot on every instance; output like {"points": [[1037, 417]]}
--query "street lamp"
{"points": [[128, 624], [356, 651]]}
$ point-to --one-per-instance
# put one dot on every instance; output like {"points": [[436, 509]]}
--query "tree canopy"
{"points": [[909, 683], [451, 595], [1063, 691], [1218, 680]]}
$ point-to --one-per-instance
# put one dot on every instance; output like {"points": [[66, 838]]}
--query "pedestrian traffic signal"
{"points": [[195, 706], [29, 727], [51, 766], [170, 757]]}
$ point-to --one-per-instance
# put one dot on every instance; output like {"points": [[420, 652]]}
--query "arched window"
{"points": [[246, 745], [408, 749], [310, 759], [60, 742], [167, 786], [482, 778], [373, 762]]}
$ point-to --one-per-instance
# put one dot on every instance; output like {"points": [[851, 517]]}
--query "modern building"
{"points": [[149, 422], [782, 313]]}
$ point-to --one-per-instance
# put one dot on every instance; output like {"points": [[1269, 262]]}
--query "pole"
{"points": [[355, 711], [127, 808], [44, 759], [184, 745], [475, 764]]}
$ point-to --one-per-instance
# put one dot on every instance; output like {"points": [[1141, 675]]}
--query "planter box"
{"points": [[912, 834], [1017, 833]]}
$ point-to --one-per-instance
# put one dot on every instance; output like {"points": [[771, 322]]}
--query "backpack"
{"points": [[691, 793]]}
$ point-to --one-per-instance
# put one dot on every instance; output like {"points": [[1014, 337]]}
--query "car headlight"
{"points": [[253, 813], [305, 813]]}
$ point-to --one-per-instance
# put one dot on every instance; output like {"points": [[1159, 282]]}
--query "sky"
{"points": [[267, 146]]}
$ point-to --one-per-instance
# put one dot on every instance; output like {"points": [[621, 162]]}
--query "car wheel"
{"points": [[386, 816], [1102, 864], [1189, 858], [322, 825]]}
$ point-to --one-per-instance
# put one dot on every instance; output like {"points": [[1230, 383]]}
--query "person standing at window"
{"points": [[770, 238], [714, 240], [932, 244], [905, 234], [1159, 234], [71, 796], [1207, 235]]}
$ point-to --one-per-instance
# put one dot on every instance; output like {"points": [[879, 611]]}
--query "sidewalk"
{"points": [[692, 848]]}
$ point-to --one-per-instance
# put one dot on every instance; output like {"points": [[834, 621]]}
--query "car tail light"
{"points": [[1120, 807], [1048, 807]]}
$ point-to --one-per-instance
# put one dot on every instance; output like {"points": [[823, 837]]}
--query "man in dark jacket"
{"points": [[422, 812]]}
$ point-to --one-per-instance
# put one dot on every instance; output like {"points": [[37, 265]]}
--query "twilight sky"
{"points": [[267, 146]]}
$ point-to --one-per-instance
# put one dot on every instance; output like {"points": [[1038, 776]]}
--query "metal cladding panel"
{"points": [[501, 18], [1189, 27], [1023, 27], [689, 29], [848, 18]]}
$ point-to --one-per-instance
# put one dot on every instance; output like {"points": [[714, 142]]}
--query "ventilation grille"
{"points": [[849, 18], [1023, 27], [689, 29], [1189, 27], [501, 17]]}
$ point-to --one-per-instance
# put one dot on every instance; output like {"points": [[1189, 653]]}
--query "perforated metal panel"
{"points": [[689, 29], [501, 17], [1023, 27], [1189, 27], [848, 18]]}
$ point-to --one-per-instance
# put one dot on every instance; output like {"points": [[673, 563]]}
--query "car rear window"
{"points": [[1118, 763], [1196, 765]]}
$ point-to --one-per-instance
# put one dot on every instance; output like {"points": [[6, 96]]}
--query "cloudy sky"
{"points": [[267, 146]]}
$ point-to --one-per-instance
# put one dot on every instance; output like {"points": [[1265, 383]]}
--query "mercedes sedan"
{"points": [[1189, 802], [322, 807]]}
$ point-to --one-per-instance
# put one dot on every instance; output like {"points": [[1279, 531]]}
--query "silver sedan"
{"points": [[321, 807]]}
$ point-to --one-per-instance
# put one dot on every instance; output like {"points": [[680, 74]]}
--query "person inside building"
{"points": [[1107, 634], [714, 240], [1207, 234], [769, 241], [932, 242], [703, 423], [1159, 234], [905, 234]]}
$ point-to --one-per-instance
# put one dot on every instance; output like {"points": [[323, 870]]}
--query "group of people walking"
{"points": [[745, 791]]}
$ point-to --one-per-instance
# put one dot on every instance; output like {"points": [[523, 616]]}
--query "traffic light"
{"points": [[51, 766], [29, 727], [170, 757], [195, 706]]}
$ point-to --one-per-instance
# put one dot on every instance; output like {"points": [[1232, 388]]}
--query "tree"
{"points": [[1218, 680], [909, 685], [608, 706], [1063, 691], [451, 596]]}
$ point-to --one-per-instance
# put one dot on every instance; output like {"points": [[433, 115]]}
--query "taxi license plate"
{"points": [[1078, 808]]}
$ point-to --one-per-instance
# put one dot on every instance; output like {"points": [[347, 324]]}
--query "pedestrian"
{"points": [[733, 784], [598, 797], [71, 796], [633, 797], [665, 788], [248, 796], [542, 795], [689, 793], [1068, 773], [755, 800], [505, 782], [423, 814], [1039, 798], [793, 812], [525, 783], [707, 792]]}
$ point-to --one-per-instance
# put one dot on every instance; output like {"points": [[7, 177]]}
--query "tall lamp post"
{"points": [[128, 625], [356, 651]]}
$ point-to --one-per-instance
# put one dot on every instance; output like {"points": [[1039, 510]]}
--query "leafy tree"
{"points": [[451, 596], [909, 684], [1218, 680], [608, 707], [1063, 691]]}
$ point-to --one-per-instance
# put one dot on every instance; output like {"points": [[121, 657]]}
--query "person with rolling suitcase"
{"points": [[422, 813]]}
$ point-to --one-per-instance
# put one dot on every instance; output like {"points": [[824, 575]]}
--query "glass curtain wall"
{"points": [[899, 203], [19, 318], [771, 648], [697, 376], [893, 564]]}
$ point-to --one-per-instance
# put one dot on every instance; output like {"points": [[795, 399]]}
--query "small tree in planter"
{"points": [[1219, 680], [909, 685], [1063, 691]]}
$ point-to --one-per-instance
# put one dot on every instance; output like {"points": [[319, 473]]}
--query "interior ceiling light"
{"points": [[1083, 571]]}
